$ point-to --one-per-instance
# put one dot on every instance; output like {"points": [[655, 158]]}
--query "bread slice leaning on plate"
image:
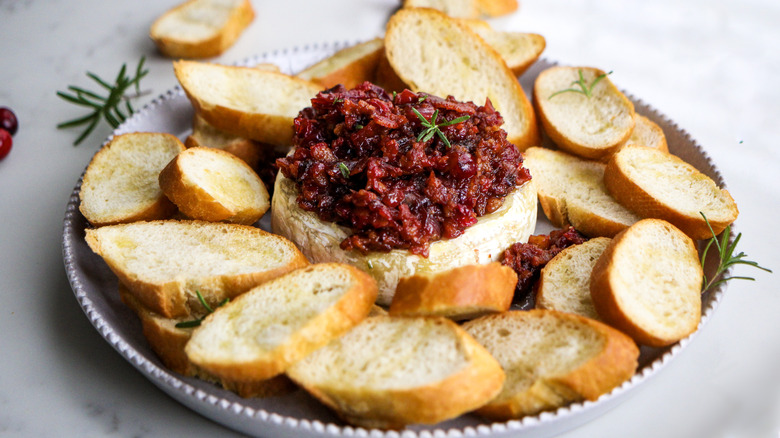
{"points": [[165, 264], [552, 359], [482, 243], [259, 334], [389, 372]]}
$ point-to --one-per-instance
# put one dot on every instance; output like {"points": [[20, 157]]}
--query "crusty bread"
{"points": [[571, 192], [552, 359], [168, 341], [120, 183], [460, 293], [648, 133], [564, 283], [263, 331], [481, 243], [519, 50], [164, 263], [496, 8], [201, 28], [656, 184], [389, 372], [647, 283], [207, 136], [434, 53], [590, 127], [349, 67], [214, 185], [452, 8], [244, 101]]}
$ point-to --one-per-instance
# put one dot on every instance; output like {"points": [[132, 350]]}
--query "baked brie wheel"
{"points": [[481, 243]]}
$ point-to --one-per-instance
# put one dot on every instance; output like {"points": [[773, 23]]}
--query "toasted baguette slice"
{"points": [[496, 8], [571, 192], [120, 183], [648, 133], [207, 136], [656, 184], [590, 127], [453, 8], [481, 243], [389, 372], [349, 67], [244, 101], [552, 359], [386, 77], [647, 283], [201, 28], [564, 283], [460, 293], [168, 341], [432, 52], [164, 263], [214, 185], [519, 50], [261, 333]]}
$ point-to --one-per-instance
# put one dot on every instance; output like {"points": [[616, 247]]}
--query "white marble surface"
{"points": [[709, 65]]}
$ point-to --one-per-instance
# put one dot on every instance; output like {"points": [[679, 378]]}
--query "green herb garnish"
{"points": [[209, 310], [370, 264], [726, 258], [358, 126], [432, 127], [344, 170], [106, 107], [584, 88], [394, 94], [337, 100], [421, 99]]}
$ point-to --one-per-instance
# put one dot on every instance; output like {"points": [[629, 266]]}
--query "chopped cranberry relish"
{"points": [[365, 160]]}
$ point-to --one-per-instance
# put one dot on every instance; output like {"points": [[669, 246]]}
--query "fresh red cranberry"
{"points": [[8, 120], [5, 143]]}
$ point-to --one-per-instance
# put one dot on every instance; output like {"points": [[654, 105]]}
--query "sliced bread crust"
{"points": [[214, 185], [564, 283], [201, 28], [655, 184], [518, 49], [389, 372], [647, 283], [349, 67], [460, 293], [164, 263], [434, 53], [245, 101], [552, 359], [207, 136], [259, 334], [571, 191], [587, 126], [120, 183]]}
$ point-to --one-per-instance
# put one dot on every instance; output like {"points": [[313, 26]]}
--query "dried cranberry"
{"points": [[8, 120], [5, 143]]}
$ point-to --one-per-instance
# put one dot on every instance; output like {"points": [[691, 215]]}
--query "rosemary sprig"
{"points": [[432, 128], [209, 310], [726, 258], [106, 107], [344, 170], [584, 88]]}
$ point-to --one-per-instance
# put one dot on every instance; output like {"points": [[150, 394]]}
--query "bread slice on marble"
{"points": [[214, 185], [564, 283], [656, 184], [390, 372], [434, 53], [244, 101], [120, 183], [259, 334], [460, 293], [571, 191], [582, 111], [551, 359], [647, 283], [201, 28], [164, 263]]}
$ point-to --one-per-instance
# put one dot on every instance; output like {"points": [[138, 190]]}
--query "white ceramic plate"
{"points": [[297, 414]]}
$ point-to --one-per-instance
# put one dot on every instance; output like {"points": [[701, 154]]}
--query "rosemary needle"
{"points": [[432, 128], [209, 310], [110, 107], [584, 88]]}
